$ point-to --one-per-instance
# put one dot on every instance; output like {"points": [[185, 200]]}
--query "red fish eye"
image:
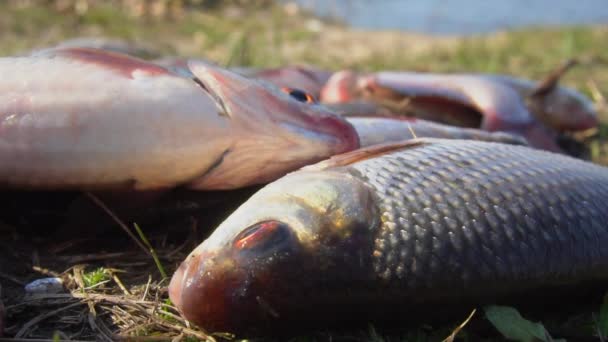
{"points": [[299, 95], [267, 233]]}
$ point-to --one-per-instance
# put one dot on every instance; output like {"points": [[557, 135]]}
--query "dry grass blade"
{"points": [[118, 221], [459, 328], [120, 284], [411, 129], [102, 334]]}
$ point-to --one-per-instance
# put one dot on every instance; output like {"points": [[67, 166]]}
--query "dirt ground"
{"points": [[68, 236]]}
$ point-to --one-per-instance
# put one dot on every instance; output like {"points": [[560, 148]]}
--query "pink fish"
{"points": [[90, 119], [490, 102]]}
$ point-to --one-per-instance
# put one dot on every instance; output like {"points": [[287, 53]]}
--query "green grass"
{"points": [[95, 277]]}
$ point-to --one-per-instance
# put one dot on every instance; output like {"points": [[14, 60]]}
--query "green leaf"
{"points": [[513, 326]]}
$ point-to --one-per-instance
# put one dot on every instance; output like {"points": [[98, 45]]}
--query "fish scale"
{"points": [[513, 208]]}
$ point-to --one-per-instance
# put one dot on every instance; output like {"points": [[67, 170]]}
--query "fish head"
{"points": [[564, 109], [302, 77], [341, 87], [274, 130], [307, 233]]}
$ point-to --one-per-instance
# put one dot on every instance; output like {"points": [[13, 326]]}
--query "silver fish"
{"points": [[91, 119], [381, 232]]}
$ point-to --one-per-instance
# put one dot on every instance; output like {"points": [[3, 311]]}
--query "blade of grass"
{"points": [[151, 251]]}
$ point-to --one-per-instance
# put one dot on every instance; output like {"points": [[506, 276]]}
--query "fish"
{"points": [[302, 77], [379, 130], [87, 119], [486, 101], [383, 233], [558, 107]]}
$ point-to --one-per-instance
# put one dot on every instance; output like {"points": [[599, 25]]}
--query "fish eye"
{"points": [[299, 95], [262, 235]]}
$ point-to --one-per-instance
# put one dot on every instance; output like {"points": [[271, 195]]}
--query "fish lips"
{"points": [[202, 289], [231, 291]]}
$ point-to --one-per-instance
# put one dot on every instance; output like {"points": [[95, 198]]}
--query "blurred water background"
{"points": [[459, 17]]}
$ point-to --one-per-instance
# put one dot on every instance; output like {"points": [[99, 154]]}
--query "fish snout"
{"points": [[176, 284], [241, 283], [203, 289], [342, 132]]}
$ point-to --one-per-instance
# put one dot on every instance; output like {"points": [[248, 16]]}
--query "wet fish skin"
{"points": [[379, 130], [395, 227], [75, 118]]}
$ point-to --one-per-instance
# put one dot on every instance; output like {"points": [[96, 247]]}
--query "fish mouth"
{"points": [[196, 296], [208, 290], [177, 283], [333, 129]]}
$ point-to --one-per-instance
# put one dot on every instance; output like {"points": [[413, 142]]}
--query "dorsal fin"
{"points": [[365, 153], [550, 82]]}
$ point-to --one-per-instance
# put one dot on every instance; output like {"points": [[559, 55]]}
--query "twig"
{"points": [[191, 237], [96, 285], [42, 317], [147, 288], [46, 271], [11, 278], [409, 126], [120, 284], [76, 259], [186, 331], [458, 328], [116, 219], [142, 338], [92, 319]]}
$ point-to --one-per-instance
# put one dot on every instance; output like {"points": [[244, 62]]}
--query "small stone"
{"points": [[45, 286]]}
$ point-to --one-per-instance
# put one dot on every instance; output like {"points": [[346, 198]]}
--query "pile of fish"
{"points": [[393, 190]]}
